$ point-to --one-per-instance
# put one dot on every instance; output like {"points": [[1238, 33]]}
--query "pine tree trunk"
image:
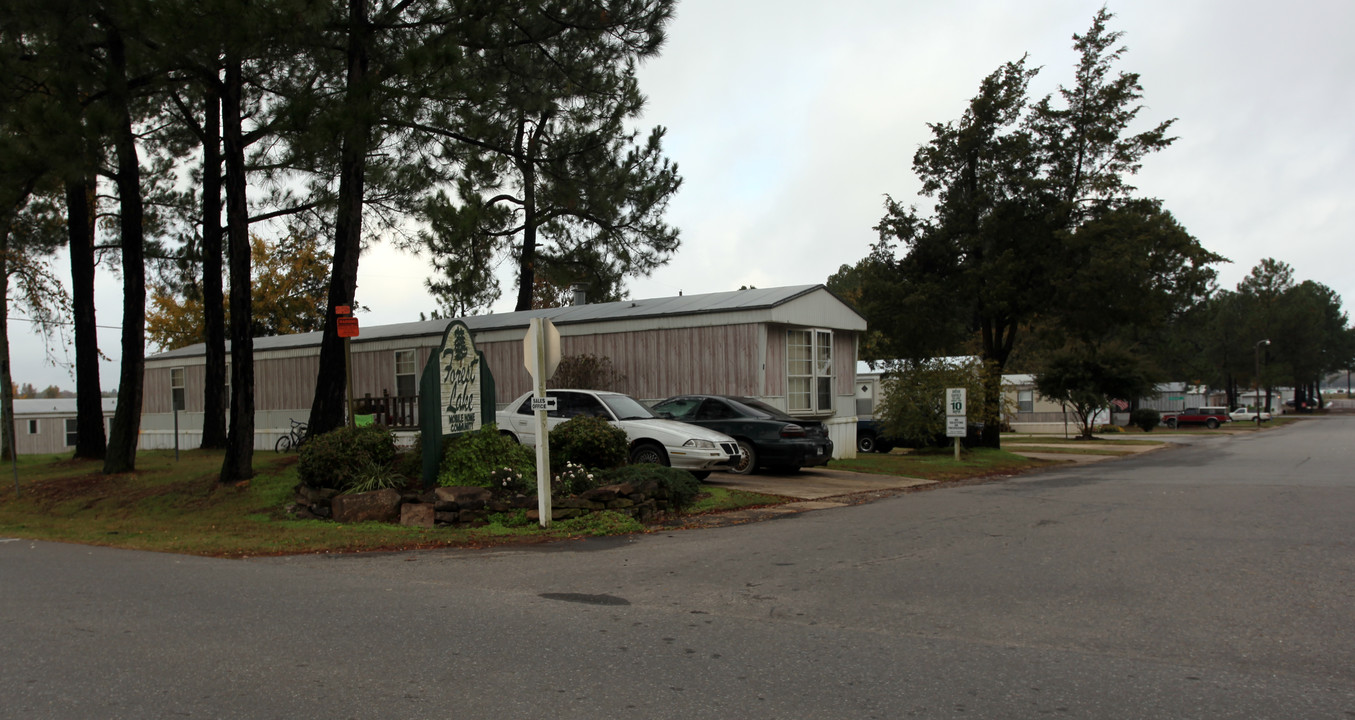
{"points": [[213, 311], [90, 441], [122, 441], [239, 461], [327, 411], [8, 451]]}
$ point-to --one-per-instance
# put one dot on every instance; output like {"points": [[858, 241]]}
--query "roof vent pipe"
{"points": [[580, 293]]}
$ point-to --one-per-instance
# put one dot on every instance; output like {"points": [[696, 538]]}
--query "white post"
{"points": [[539, 373]]}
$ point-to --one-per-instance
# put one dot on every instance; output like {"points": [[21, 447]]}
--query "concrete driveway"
{"points": [[813, 483], [821, 483]]}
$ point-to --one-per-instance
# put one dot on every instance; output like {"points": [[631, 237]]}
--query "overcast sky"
{"points": [[790, 121]]}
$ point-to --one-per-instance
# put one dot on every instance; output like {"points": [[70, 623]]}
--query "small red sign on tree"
{"points": [[347, 327]]}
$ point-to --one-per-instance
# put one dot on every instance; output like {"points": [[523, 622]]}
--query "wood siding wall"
{"points": [[776, 361], [654, 363]]}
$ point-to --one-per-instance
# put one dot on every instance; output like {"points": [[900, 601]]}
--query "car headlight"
{"points": [[699, 444]]}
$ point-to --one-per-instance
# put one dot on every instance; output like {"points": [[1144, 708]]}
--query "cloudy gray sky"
{"points": [[790, 120]]}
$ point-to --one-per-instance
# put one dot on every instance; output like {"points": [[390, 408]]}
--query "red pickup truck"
{"points": [[1210, 417]]}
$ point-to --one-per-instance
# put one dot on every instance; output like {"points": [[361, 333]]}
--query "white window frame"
{"points": [[32, 427], [72, 431], [810, 381], [178, 393], [411, 358], [1025, 401]]}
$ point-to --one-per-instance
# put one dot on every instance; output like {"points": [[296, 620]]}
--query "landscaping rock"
{"points": [[381, 506], [462, 495], [417, 515]]}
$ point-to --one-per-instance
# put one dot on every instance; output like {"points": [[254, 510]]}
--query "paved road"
{"points": [[1215, 580]]}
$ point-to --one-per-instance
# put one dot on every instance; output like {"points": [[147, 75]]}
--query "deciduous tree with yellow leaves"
{"points": [[290, 285]]}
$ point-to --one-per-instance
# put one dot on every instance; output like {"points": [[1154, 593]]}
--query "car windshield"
{"points": [[626, 407], [757, 408]]}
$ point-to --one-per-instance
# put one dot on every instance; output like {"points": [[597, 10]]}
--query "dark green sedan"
{"points": [[767, 436]]}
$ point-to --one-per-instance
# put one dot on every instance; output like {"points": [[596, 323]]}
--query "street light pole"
{"points": [[1257, 380]]}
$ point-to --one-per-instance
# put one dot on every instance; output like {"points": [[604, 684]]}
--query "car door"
{"points": [[567, 405], [717, 415]]}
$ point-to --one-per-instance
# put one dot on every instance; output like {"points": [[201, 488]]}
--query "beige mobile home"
{"points": [[794, 347]]}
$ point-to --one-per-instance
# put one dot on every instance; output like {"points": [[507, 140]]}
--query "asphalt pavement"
{"points": [[1211, 580]]}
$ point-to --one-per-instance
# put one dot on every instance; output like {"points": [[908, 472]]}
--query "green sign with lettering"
{"points": [[456, 395]]}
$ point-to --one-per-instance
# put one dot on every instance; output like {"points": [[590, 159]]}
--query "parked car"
{"points": [[1210, 417], [1244, 415], [652, 439], [1300, 406], [767, 436], [871, 437]]}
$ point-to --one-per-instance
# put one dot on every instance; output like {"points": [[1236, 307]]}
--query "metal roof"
{"points": [[732, 301], [59, 406]]}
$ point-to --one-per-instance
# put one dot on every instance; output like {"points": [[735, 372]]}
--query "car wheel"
{"points": [[865, 443], [1212, 424], [510, 436], [700, 474], [283, 444], [648, 453], [1171, 423], [747, 460]]}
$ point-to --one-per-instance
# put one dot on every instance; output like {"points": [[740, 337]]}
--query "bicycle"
{"points": [[294, 439]]}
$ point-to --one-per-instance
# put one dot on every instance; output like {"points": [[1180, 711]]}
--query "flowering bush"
{"points": [[573, 480], [508, 482]]}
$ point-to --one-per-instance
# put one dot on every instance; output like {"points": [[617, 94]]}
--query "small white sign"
{"points": [[544, 403], [955, 402], [956, 427]]}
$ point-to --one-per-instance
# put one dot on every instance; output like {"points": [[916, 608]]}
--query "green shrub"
{"points": [[682, 486], [590, 442], [333, 460], [512, 519], [1145, 418], [472, 458], [370, 476], [1109, 428]]}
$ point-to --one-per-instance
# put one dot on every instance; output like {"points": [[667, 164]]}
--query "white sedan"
{"points": [[652, 439], [1244, 415]]}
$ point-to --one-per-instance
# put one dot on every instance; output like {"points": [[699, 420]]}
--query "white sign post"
{"points": [[956, 417], [541, 355]]}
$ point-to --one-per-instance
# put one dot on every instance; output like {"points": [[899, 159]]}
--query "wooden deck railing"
{"points": [[393, 411]]}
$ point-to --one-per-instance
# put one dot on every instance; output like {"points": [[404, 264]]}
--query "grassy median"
{"points": [[940, 464]]}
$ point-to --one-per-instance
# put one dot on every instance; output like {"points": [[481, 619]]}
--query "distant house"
{"points": [[43, 426], [793, 347], [1025, 410]]}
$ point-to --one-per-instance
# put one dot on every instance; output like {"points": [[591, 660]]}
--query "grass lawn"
{"points": [[940, 465], [178, 506]]}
